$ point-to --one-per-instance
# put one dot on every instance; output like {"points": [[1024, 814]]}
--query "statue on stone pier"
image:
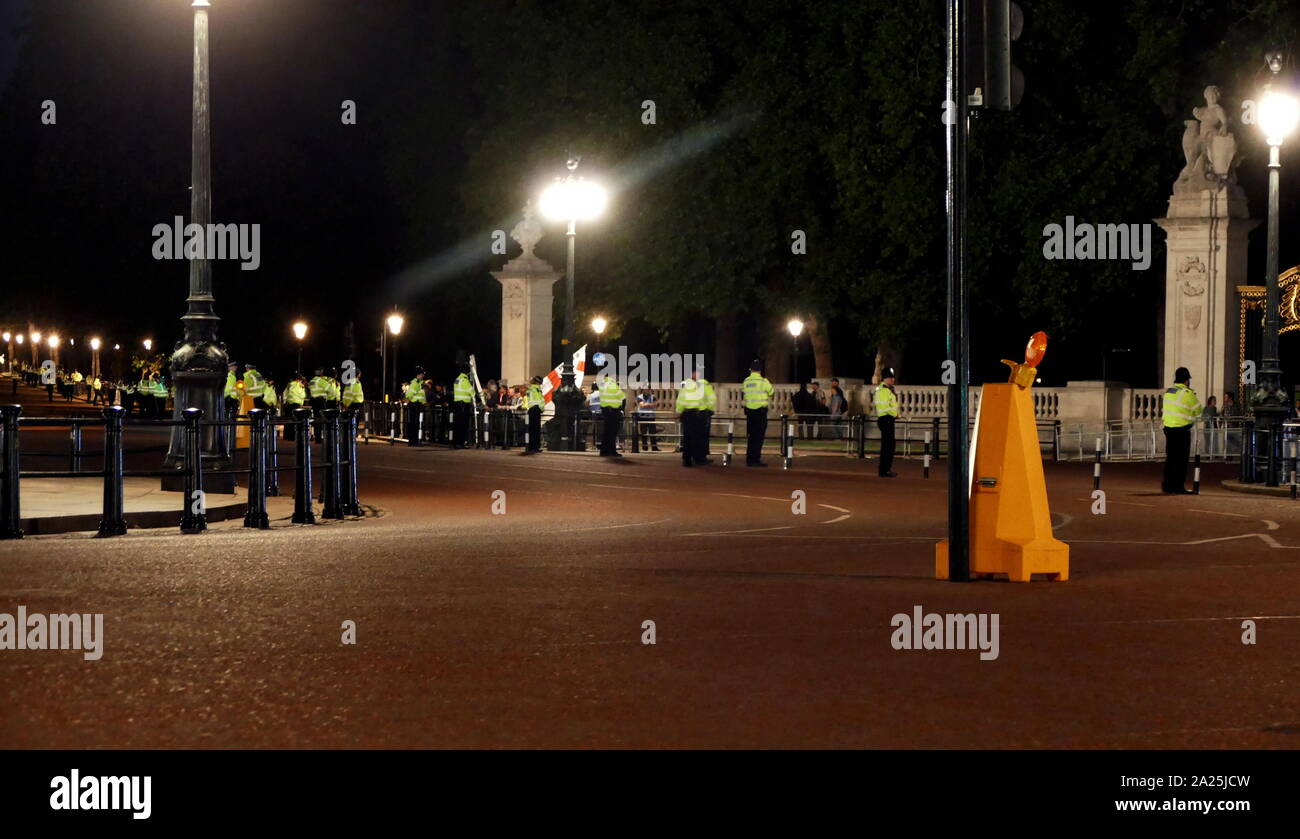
{"points": [[1210, 149]]}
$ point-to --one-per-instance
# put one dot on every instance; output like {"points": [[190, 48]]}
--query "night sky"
{"points": [[358, 218]]}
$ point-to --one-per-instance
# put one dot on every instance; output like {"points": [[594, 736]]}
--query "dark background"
{"points": [[771, 117]]}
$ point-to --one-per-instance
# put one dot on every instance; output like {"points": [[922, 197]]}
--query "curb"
{"points": [[143, 519], [1257, 489]]}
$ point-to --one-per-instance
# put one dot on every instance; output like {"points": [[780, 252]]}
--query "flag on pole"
{"points": [[552, 379]]}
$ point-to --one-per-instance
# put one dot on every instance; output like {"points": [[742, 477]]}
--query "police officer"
{"points": [[690, 398], [415, 402], [320, 390], [757, 392], [707, 407], [231, 392], [353, 395], [612, 399], [295, 396], [254, 385], [534, 402], [1181, 408], [886, 413], [462, 405]]}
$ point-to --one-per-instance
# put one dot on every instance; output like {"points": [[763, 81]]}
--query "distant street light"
{"points": [[52, 341], [570, 199], [394, 323], [299, 332], [796, 329], [1278, 114], [598, 325], [148, 344], [94, 358], [9, 349]]}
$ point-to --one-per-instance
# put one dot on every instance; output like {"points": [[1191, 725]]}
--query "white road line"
{"points": [[1110, 501], [1272, 525], [1196, 620], [1268, 540], [738, 532], [837, 518], [511, 478], [1217, 513], [753, 497], [638, 489], [833, 507]]}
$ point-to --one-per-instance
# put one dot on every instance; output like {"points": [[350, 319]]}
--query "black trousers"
{"points": [[692, 452], [1178, 447], [414, 411], [611, 421], [706, 431], [755, 431], [317, 405], [535, 429], [460, 424], [289, 429], [886, 444]]}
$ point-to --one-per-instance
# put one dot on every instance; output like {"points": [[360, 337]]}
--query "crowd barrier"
{"points": [[338, 469]]}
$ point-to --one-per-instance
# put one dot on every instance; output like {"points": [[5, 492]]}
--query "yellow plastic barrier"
{"points": [[1010, 521]]}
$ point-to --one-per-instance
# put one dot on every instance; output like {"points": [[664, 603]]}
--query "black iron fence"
{"points": [[338, 467]]}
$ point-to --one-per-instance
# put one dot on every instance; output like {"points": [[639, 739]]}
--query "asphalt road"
{"points": [[773, 629]]}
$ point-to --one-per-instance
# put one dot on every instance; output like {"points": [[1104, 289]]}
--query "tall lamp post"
{"points": [[1278, 114], [35, 339], [299, 332], [796, 329], [394, 327], [94, 357], [53, 343], [198, 364], [570, 199], [9, 349]]}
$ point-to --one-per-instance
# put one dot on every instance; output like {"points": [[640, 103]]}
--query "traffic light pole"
{"points": [[957, 131]]}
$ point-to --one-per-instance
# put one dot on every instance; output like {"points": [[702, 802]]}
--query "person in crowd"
{"points": [[646, 403]]}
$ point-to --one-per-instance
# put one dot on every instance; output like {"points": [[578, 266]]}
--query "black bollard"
{"points": [[256, 514], [194, 513], [731, 443], [272, 455], [10, 522], [861, 420], [351, 507], [113, 522], [302, 512], [76, 446], [330, 478]]}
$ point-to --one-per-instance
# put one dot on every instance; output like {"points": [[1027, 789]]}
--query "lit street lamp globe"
{"points": [[573, 199], [53, 341], [598, 325], [19, 337], [795, 326], [6, 337], [148, 344], [300, 330], [36, 337], [395, 322], [94, 344], [1278, 114]]}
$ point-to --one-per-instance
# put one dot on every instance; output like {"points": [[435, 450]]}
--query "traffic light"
{"points": [[990, 26]]}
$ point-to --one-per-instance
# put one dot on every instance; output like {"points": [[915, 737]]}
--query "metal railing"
{"points": [[338, 476]]}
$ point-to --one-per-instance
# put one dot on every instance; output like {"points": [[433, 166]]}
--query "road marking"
{"points": [[833, 507], [753, 497], [738, 532], [1218, 513], [638, 489], [511, 478], [1066, 518], [1268, 540], [837, 518], [1110, 501], [1191, 620], [1272, 525]]}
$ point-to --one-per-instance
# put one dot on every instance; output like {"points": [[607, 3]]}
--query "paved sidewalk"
{"points": [[64, 505]]}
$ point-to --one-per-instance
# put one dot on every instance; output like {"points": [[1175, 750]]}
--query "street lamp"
{"points": [[299, 332], [94, 357], [570, 199], [796, 329], [52, 341], [394, 323], [199, 360], [9, 349], [148, 344], [1278, 114]]}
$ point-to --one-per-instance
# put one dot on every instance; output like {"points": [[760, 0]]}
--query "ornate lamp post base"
{"points": [[561, 431], [199, 371]]}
